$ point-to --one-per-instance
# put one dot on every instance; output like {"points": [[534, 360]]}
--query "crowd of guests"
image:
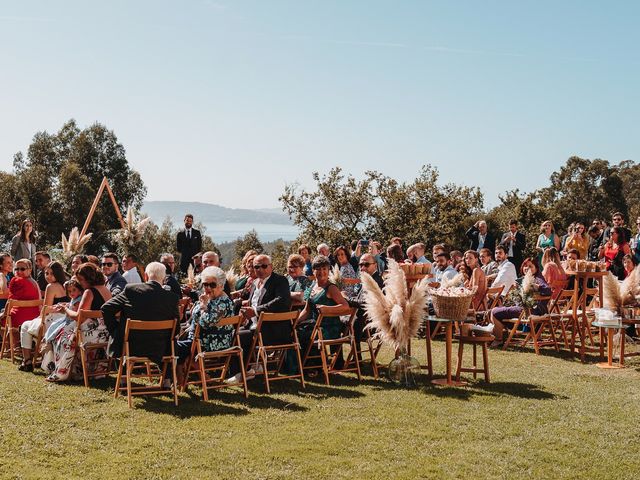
{"points": [[121, 288]]}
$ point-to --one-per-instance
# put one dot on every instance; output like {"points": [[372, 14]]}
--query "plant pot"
{"points": [[404, 370]]}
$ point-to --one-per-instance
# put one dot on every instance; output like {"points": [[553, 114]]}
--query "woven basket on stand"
{"points": [[450, 307]]}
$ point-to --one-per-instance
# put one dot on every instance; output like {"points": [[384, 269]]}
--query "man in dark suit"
{"points": [[480, 237], [514, 243], [269, 293], [141, 301], [110, 268], [188, 243], [368, 265]]}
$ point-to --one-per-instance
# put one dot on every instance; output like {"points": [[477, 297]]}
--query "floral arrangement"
{"points": [[524, 296], [75, 244], [129, 236], [335, 276], [617, 294], [395, 316]]}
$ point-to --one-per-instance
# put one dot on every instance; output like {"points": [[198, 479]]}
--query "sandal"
{"points": [[26, 367]]}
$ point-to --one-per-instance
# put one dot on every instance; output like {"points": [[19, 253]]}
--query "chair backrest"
{"points": [[350, 281], [278, 317], [235, 321], [84, 315], [183, 303], [345, 311], [13, 303], [492, 296], [148, 325]]}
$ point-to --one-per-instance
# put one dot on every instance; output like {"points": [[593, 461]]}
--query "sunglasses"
{"points": [[107, 264], [20, 269], [258, 267], [210, 285], [365, 264]]}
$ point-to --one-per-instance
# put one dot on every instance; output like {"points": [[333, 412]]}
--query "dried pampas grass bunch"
{"points": [[618, 294], [232, 278], [394, 317], [75, 243], [335, 276]]}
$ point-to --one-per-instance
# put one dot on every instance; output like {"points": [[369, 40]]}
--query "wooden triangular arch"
{"points": [[104, 185]]}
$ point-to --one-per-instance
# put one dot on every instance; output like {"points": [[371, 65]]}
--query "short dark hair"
{"points": [[618, 214], [189, 215], [112, 256], [593, 229], [487, 251], [513, 221], [91, 274], [132, 257], [574, 251], [320, 261], [44, 254], [445, 255], [501, 247]]}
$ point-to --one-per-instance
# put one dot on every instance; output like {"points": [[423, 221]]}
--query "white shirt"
{"points": [[506, 276], [446, 274], [258, 293], [187, 232], [132, 276]]}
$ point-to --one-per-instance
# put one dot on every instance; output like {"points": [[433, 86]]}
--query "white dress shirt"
{"points": [[506, 276]]}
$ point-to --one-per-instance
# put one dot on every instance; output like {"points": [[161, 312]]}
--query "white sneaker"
{"points": [[483, 328], [237, 378], [251, 374], [257, 368]]}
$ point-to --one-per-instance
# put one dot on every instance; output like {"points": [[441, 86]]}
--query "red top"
{"points": [[23, 289]]}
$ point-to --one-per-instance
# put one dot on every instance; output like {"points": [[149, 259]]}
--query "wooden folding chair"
{"points": [[10, 344], [92, 355], [212, 368], [130, 362], [272, 357], [537, 325], [46, 310], [560, 311], [326, 355]]}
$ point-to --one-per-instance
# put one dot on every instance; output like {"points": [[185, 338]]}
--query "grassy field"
{"points": [[542, 417]]}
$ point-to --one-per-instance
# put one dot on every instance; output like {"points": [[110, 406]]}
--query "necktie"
{"points": [[188, 234]]}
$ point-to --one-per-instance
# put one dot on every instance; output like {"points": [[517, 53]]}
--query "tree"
{"points": [[629, 173], [249, 242], [583, 190], [59, 176], [342, 209]]}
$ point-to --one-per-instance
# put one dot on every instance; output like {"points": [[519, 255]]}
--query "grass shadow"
{"points": [[527, 391], [188, 407]]}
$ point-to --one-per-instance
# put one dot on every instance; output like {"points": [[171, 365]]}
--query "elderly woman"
{"points": [[23, 287], [298, 281], [23, 245], [213, 305], [499, 314], [54, 293], [324, 297], [95, 294]]}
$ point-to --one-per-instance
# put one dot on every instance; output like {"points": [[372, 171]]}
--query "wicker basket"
{"points": [[451, 308]]}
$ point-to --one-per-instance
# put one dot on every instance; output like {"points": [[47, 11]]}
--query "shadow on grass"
{"points": [[513, 389]]}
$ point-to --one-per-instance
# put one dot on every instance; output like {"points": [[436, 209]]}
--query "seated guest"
{"points": [[499, 314], [357, 300], [115, 281], [23, 287], [141, 301], [94, 260], [480, 237], [197, 263], [269, 293], [506, 275], [456, 258], [130, 267], [514, 241], [212, 306], [474, 277], [415, 254], [322, 296], [244, 290], [305, 251], [42, 260], [629, 265], [95, 293], [443, 270], [395, 251], [488, 265], [76, 262], [53, 294], [247, 274], [552, 269], [346, 270], [323, 249], [398, 241], [437, 249], [6, 274], [170, 281], [212, 259], [298, 281]]}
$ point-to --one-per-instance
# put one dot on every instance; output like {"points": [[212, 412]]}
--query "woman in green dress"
{"points": [[547, 239]]}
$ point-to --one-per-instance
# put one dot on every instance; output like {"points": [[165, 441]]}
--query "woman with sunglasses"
{"points": [[578, 240], [324, 297], [298, 281], [23, 287], [213, 305], [547, 239], [54, 293], [6, 274], [614, 250]]}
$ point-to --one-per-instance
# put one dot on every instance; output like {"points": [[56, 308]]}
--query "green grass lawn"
{"points": [[545, 416]]}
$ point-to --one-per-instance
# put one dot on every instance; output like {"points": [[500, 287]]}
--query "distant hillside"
{"points": [[209, 213]]}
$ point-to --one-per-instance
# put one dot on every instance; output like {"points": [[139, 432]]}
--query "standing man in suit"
{"points": [[514, 243], [189, 242], [480, 237], [269, 293], [141, 301]]}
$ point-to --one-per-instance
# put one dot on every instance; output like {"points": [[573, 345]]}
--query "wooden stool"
{"points": [[475, 340]]}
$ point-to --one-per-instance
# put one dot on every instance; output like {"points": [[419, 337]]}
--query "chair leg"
{"points": [[118, 380], [485, 361], [299, 356], [203, 379], [323, 357], [85, 372], [263, 357], [427, 337], [372, 356], [460, 351], [354, 352], [174, 383], [129, 396], [475, 361], [243, 375], [512, 333]]}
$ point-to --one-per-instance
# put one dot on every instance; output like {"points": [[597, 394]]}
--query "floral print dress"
{"points": [[212, 337]]}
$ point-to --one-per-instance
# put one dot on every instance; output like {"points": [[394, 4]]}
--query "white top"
{"points": [[506, 276], [258, 293], [446, 274], [132, 276]]}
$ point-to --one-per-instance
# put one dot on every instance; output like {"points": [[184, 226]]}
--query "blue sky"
{"points": [[226, 102]]}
